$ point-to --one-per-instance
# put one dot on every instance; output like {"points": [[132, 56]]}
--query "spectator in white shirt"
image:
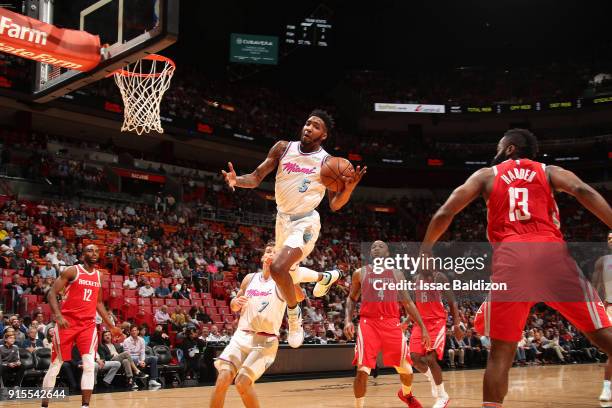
{"points": [[101, 223], [199, 260], [130, 282], [129, 210], [48, 271], [218, 262], [146, 291], [162, 316], [231, 261], [61, 264], [80, 230], [135, 345], [52, 256], [214, 335]]}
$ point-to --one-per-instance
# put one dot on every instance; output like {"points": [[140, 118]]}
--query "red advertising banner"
{"points": [[32, 39], [140, 175]]}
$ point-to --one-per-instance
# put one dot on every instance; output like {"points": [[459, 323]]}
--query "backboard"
{"points": [[128, 30]]}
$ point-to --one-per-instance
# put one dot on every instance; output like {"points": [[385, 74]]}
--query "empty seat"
{"points": [[144, 301]]}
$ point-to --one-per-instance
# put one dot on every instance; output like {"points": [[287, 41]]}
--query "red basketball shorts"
{"points": [[437, 333], [506, 320], [83, 334], [375, 335], [537, 272]]}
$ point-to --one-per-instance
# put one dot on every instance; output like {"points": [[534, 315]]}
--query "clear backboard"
{"points": [[128, 30]]}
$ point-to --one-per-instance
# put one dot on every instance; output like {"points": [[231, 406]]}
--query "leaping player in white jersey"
{"points": [[254, 345], [298, 192], [602, 281]]}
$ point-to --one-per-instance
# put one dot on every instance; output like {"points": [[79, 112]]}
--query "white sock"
{"points": [[606, 384], [294, 311], [434, 388], [429, 376], [440, 390], [360, 402], [307, 275]]}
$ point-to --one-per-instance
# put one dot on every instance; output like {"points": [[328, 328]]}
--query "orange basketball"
{"points": [[332, 171]]}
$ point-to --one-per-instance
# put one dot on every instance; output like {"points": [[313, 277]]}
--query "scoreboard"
{"points": [[311, 32]]}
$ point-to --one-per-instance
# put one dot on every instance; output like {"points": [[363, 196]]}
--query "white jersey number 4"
{"points": [[518, 198]]}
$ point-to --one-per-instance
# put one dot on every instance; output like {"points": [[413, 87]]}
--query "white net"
{"points": [[142, 87]]}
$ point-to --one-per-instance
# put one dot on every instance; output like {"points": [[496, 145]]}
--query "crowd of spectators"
{"points": [[260, 111]]}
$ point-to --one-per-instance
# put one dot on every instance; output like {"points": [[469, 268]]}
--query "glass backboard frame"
{"points": [[114, 57]]}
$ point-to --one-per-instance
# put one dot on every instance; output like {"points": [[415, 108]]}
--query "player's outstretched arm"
{"points": [[410, 308], [337, 200], [101, 309], [452, 305], [458, 200], [351, 301], [568, 182], [254, 179], [240, 300], [68, 275]]}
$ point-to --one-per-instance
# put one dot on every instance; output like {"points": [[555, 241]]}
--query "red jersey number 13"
{"points": [[518, 198]]}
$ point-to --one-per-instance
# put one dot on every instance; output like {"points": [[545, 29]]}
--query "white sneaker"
{"points": [[441, 402], [322, 286], [296, 331], [606, 395], [154, 383]]}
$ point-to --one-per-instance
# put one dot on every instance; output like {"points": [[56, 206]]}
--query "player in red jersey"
{"points": [[380, 327], [432, 311], [522, 211], [76, 322]]}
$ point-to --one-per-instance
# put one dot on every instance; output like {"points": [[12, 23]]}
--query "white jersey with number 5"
{"points": [[298, 187], [265, 310]]}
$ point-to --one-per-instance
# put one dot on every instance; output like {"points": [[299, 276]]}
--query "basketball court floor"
{"points": [[530, 387]]}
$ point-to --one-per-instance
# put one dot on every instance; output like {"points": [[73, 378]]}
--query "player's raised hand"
{"points": [[349, 330], [230, 176], [240, 301], [61, 322], [352, 181]]}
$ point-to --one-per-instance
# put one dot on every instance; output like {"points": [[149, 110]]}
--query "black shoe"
{"points": [[142, 375]]}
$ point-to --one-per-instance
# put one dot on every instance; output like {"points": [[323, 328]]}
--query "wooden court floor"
{"points": [[530, 387]]}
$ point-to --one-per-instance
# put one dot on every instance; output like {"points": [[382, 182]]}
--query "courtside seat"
{"points": [[28, 363], [165, 364]]}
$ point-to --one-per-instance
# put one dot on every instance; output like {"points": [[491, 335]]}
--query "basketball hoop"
{"points": [[142, 87]]}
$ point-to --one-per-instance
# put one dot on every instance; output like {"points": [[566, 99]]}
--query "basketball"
{"points": [[332, 171]]}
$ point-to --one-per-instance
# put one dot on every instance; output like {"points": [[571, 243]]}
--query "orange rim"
{"points": [[152, 57]]}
